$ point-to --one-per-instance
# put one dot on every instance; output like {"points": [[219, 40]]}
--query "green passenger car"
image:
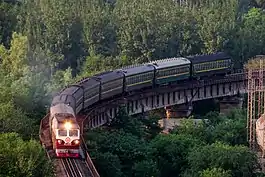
{"points": [[171, 70], [209, 65]]}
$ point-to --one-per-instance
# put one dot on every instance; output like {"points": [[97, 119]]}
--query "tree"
{"points": [[188, 127], [215, 172], [238, 159], [146, 168], [215, 29], [149, 30], [14, 120], [127, 123], [247, 41], [22, 158], [24, 84], [229, 129], [100, 30], [15, 60], [108, 164], [170, 152], [8, 21]]}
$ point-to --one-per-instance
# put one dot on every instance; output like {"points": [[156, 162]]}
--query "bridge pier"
{"points": [[179, 111], [229, 103], [183, 110]]}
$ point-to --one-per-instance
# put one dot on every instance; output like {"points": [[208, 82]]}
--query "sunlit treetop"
{"points": [[256, 62]]}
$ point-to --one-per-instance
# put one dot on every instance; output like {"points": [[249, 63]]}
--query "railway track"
{"points": [[72, 167]]}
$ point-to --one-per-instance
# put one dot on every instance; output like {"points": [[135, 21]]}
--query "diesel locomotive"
{"points": [[66, 105]]}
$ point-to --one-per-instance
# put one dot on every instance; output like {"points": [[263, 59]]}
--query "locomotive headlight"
{"points": [[68, 125], [59, 141], [76, 141]]}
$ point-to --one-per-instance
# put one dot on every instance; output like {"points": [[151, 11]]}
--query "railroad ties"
{"points": [[73, 167]]}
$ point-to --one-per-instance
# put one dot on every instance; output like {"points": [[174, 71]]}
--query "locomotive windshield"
{"points": [[62, 132], [68, 132], [73, 132]]}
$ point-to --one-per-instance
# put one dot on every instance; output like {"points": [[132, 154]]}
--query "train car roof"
{"points": [[61, 109], [135, 69], [56, 100], [108, 76], [169, 62], [89, 83], [208, 57], [72, 89]]}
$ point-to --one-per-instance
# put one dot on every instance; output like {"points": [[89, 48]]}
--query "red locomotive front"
{"points": [[67, 141], [65, 131]]}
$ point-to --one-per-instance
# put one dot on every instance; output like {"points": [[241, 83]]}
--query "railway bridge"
{"points": [[228, 90]]}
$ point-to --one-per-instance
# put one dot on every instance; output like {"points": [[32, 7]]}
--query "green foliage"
{"points": [[250, 32], [214, 127], [152, 128], [43, 44], [239, 159], [22, 158], [190, 150], [127, 147], [105, 36], [15, 120], [108, 164], [98, 63], [127, 123], [146, 168], [230, 129], [8, 21], [171, 151], [14, 60], [215, 172], [188, 127], [60, 79], [125, 139]]}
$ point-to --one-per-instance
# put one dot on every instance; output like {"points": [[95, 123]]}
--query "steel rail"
{"points": [[71, 168]]}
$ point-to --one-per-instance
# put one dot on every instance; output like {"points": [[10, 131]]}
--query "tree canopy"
{"points": [[215, 147], [46, 45]]}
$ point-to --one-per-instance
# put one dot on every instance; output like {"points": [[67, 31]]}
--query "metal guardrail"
{"points": [[41, 139], [40, 129], [89, 161], [48, 155]]}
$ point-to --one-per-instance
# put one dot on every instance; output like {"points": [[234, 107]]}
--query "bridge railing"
{"points": [[88, 160], [42, 122], [42, 127]]}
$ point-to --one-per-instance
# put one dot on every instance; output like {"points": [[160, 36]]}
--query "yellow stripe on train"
{"points": [[210, 70]]}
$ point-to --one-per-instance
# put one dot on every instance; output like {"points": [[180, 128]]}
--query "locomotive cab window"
{"points": [[73, 132], [62, 132]]}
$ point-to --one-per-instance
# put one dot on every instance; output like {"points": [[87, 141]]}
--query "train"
{"points": [[121, 82]]}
